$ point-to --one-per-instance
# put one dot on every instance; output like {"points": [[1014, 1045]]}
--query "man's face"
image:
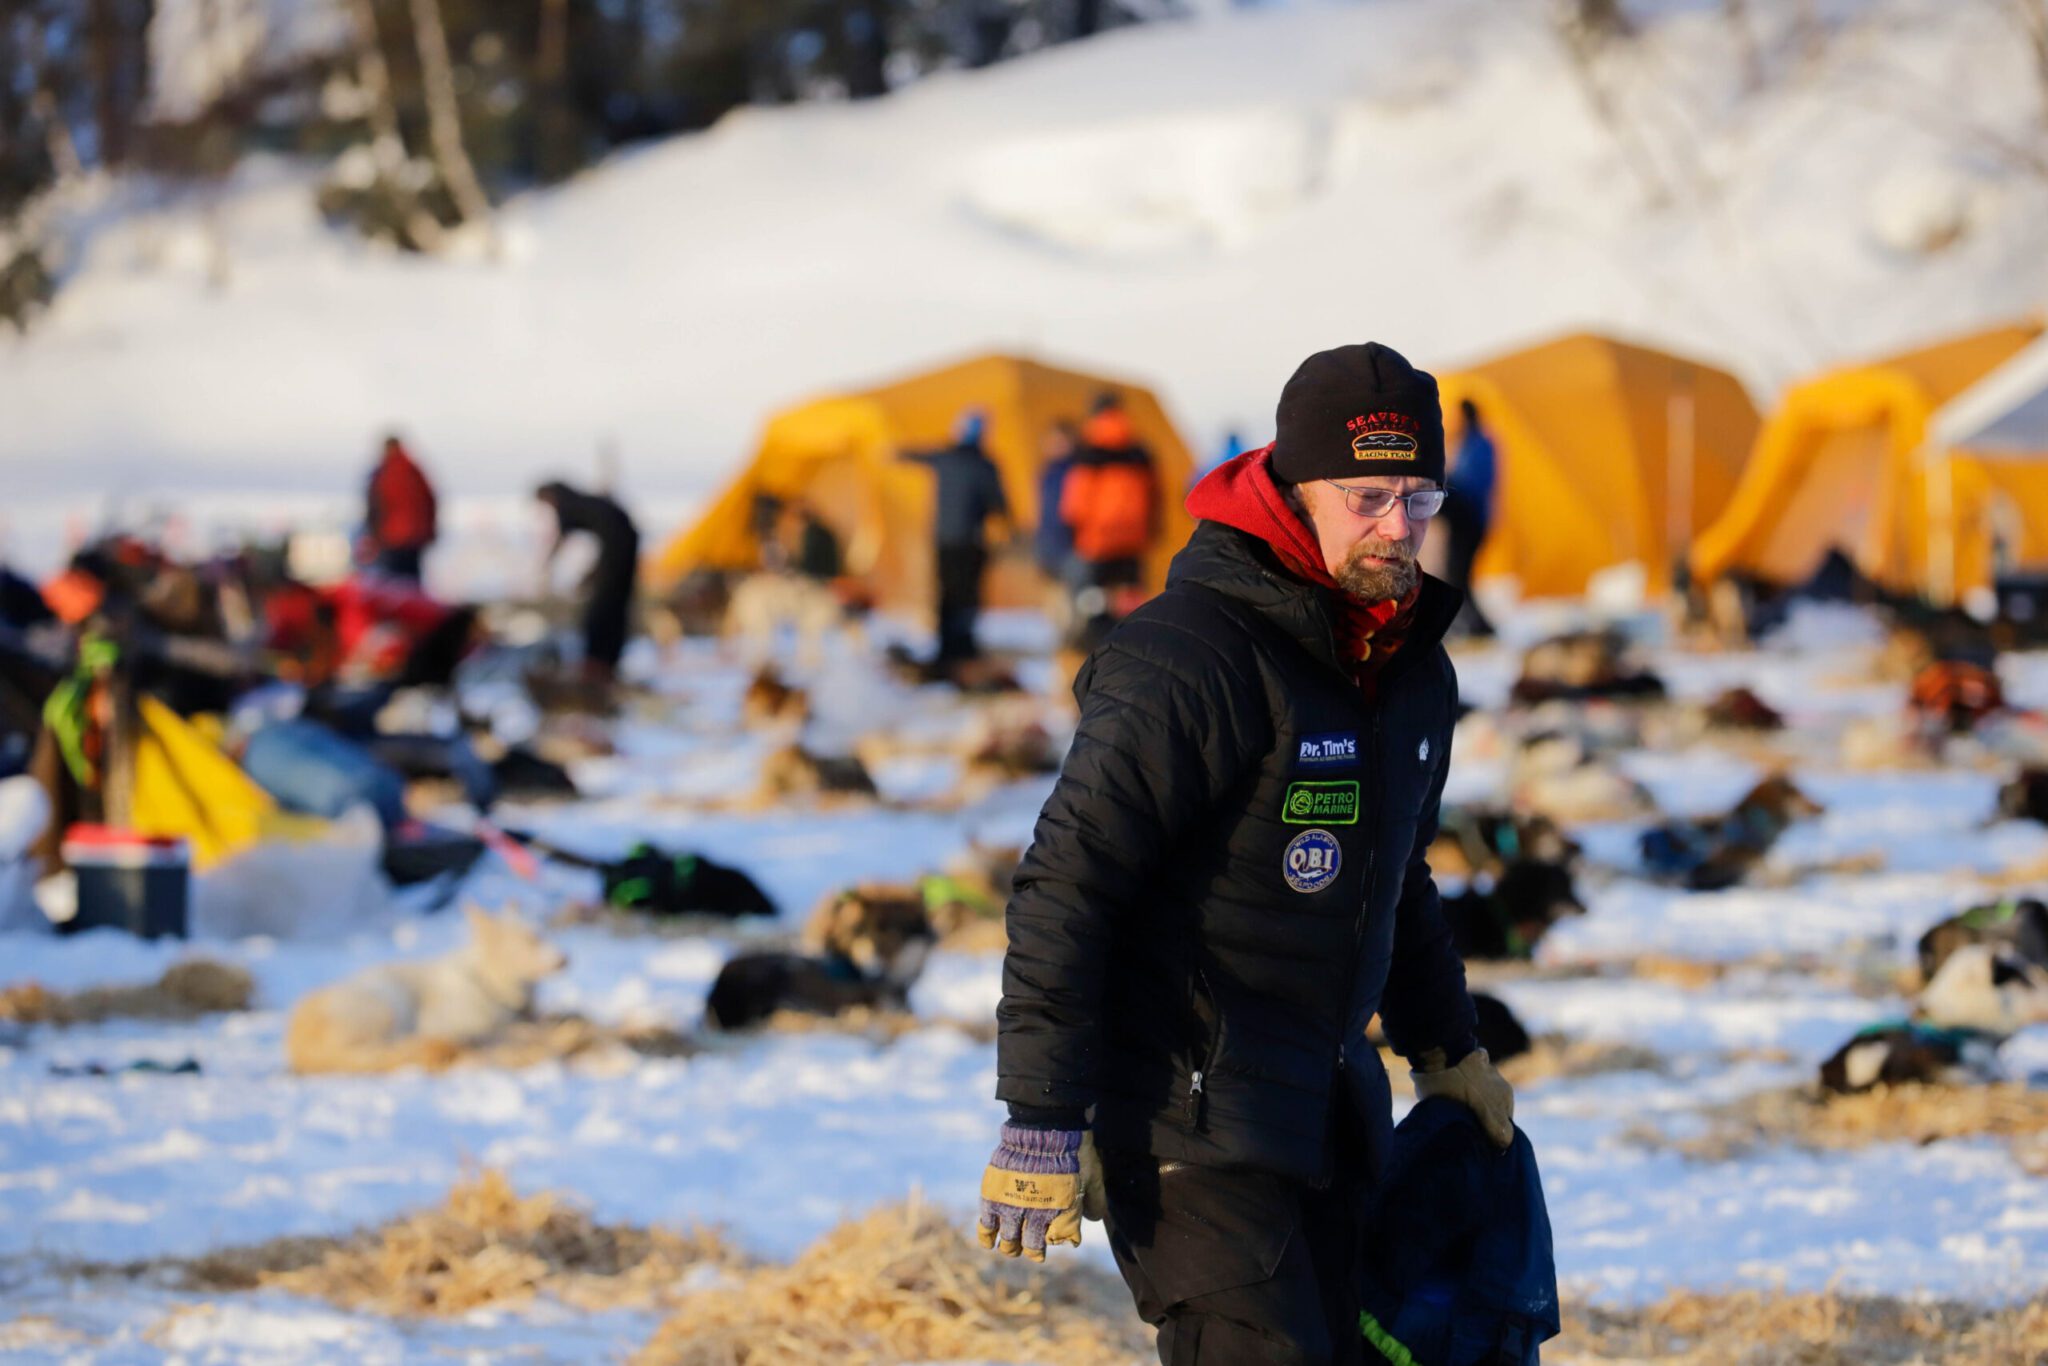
{"points": [[1371, 558]]}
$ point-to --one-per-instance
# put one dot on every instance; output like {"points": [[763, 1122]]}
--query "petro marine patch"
{"points": [[1321, 803], [1312, 860]]}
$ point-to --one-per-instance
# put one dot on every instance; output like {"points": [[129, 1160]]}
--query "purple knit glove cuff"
{"points": [[1056, 1146], [1039, 1152]]}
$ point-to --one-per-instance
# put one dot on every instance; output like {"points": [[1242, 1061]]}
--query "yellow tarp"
{"points": [[187, 788], [841, 456], [1841, 464], [1589, 431]]}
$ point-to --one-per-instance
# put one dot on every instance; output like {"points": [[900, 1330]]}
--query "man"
{"points": [[400, 514], [1110, 501], [609, 608], [1228, 882], [970, 491], [1052, 542], [1470, 512]]}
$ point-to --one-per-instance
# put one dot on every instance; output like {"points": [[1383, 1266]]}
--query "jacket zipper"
{"points": [[1197, 1100], [1326, 1168]]}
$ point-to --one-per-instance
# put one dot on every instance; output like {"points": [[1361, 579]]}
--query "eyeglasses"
{"points": [[1423, 504]]}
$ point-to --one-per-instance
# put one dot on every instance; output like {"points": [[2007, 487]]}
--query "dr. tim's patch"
{"points": [[1330, 749]]}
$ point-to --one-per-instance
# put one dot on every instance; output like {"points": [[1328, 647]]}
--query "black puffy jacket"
{"points": [[1229, 879]]}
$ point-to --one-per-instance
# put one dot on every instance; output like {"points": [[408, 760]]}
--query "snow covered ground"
{"points": [[137, 1165], [1197, 204]]}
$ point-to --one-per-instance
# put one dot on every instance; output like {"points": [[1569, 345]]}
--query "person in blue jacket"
{"points": [[1468, 514]]}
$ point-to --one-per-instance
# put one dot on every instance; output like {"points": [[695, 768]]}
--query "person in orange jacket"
{"points": [[1109, 500]]}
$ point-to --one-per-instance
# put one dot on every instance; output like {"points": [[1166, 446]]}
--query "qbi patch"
{"points": [[1321, 803], [1312, 860], [1331, 749]]}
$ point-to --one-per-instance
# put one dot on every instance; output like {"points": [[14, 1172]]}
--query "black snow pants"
{"points": [[960, 569], [608, 613], [1467, 526], [1237, 1268]]}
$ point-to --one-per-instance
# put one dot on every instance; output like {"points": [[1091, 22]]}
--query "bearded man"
{"points": [[1229, 882]]}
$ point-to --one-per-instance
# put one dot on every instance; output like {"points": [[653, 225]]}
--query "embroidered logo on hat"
{"points": [[1384, 436], [1383, 446]]}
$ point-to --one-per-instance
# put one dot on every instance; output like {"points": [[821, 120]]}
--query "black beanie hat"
{"points": [[1358, 410]]}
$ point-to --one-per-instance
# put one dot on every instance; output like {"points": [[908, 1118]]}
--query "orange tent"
{"points": [[1844, 463], [1609, 453], [840, 455]]}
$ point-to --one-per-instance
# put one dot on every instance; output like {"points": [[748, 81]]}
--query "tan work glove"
{"points": [[1038, 1185], [1474, 1084]]}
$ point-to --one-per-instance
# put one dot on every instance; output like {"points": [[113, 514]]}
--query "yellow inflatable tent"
{"points": [[1845, 463], [1609, 453], [841, 456]]}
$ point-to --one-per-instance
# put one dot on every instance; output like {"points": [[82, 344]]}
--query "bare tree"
{"points": [[444, 119], [1588, 29], [1599, 20], [1748, 53], [1809, 33], [103, 34], [555, 122], [387, 141], [44, 105], [2033, 17]]}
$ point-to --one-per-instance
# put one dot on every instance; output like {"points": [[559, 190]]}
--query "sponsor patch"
{"points": [[1312, 860], [1384, 436], [1331, 749], [1422, 751], [1383, 446], [1321, 803]]}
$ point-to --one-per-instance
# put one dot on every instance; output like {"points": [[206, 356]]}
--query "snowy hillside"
{"points": [[1198, 204]]}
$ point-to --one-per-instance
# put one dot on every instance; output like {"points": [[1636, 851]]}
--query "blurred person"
{"points": [[400, 513], [1110, 502], [1229, 880], [818, 555], [768, 513], [1052, 542], [1233, 446], [969, 493], [608, 605], [1469, 514]]}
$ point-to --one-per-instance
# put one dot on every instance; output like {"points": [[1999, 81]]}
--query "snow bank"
{"points": [[1196, 203]]}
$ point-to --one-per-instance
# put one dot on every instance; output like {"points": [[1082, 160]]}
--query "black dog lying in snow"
{"points": [[1708, 855], [1507, 919], [2016, 925], [753, 986], [1486, 839], [1981, 995], [865, 946], [1499, 1032], [1904, 1052]]}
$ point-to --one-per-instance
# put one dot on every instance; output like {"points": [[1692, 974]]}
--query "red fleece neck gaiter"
{"points": [[1241, 493]]}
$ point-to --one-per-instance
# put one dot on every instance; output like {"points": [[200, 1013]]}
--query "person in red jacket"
{"points": [[399, 525]]}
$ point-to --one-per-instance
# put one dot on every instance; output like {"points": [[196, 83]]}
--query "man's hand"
{"points": [[1038, 1184], [1474, 1084]]}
